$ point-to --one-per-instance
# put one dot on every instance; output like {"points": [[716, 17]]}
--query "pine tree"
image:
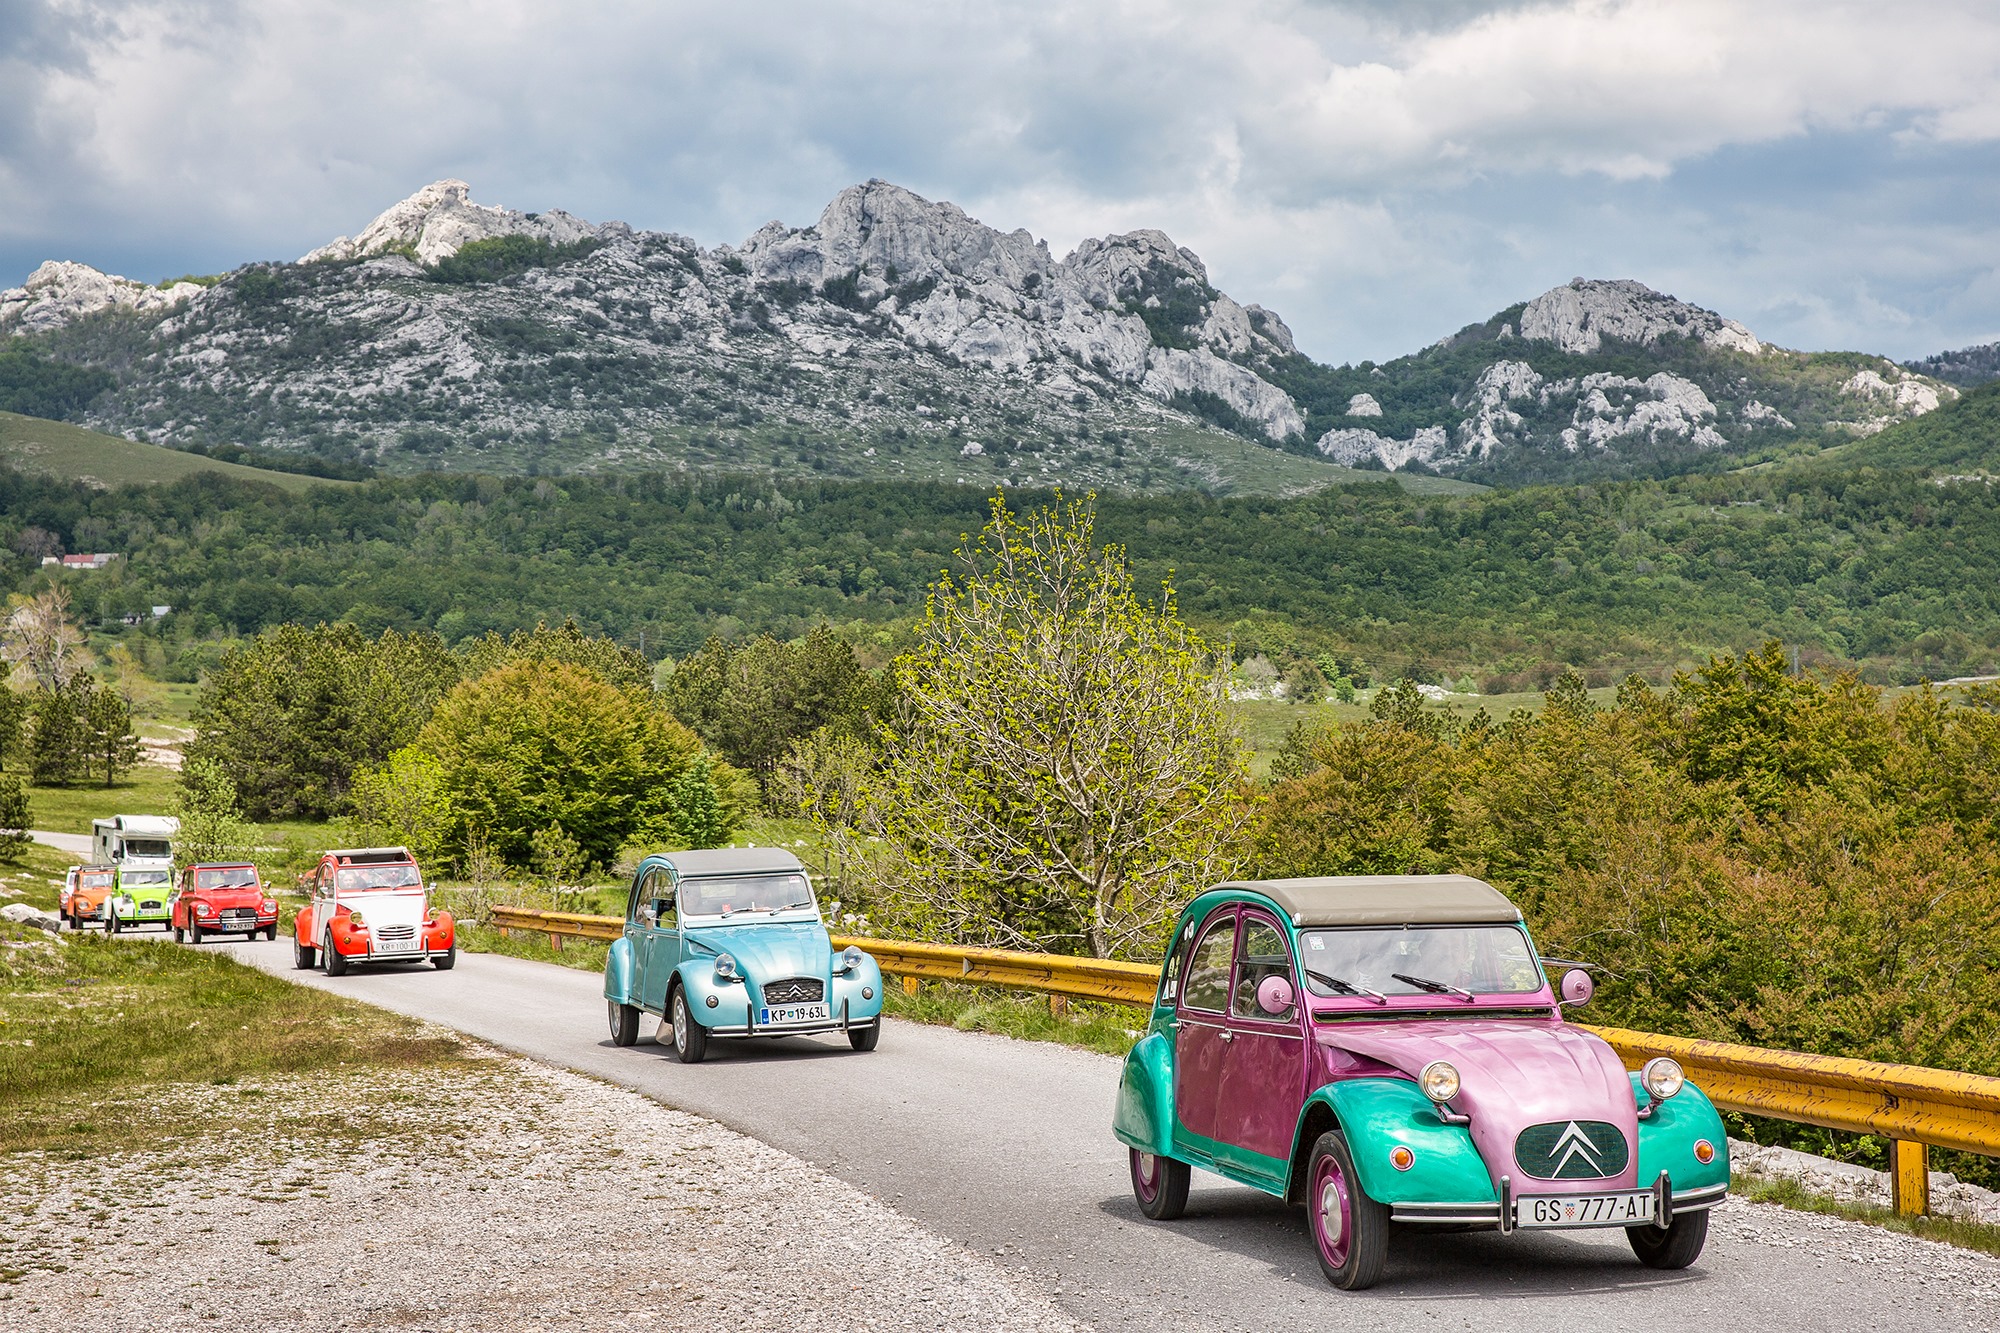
{"points": [[109, 741], [14, 817], [57, 743]]}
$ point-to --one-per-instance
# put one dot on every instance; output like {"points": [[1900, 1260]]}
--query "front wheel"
{"points": [[179, 934], [270, 932], [450, 959], [865, 1039], [1676, 1247], [624, 1023], [336, 965], [111, 926], [302, 954], [690, 1037], [1350, 1231], [1160, 1184], [195, 933]]}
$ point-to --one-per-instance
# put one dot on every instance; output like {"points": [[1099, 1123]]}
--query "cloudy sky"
{"points": [[1379, 173]]}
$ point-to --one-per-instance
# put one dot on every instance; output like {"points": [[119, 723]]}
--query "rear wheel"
{"points": [[624, 1023], [865, 1039], [336, 966], [1676, 1247], [1350, 1231], [690, 1038], [1160, 1184]]}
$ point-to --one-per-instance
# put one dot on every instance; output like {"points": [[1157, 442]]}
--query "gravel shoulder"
{"points": [[495, 1192]]}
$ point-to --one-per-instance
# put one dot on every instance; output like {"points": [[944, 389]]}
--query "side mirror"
{"points": [[1577, 987], [1274, 995]]}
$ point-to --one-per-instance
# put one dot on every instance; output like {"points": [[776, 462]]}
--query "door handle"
{"points": [[1226, 1035]]}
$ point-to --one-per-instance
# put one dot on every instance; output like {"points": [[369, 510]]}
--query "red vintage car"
{"points": [[369, 905], [222, 898]]}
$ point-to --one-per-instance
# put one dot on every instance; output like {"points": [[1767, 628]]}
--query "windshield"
{"points": [[95, 879], [145, 877], [226, 877], [148, 847], [1420, 960], [403, 875], [726, 896]]}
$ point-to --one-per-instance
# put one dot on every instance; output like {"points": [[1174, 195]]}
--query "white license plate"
{"points": [[786, 1014], [397, 946], [1584, 1210]]}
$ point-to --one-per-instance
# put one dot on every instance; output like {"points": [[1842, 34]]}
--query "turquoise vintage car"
{"points": [[1389, 1049], [729, 943]]}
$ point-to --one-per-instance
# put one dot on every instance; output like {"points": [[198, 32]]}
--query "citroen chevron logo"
{"points": [[1571, 1150], [1575, 1144]]}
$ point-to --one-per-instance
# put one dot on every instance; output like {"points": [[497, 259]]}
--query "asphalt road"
{"points": [[1005, 1147]]}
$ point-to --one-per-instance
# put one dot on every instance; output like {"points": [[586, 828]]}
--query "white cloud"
{"points": [[1338, 162]]}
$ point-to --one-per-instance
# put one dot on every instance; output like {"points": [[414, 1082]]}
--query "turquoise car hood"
{"points": [[770, 951]]}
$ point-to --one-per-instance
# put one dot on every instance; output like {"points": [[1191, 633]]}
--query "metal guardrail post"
{"points": [[1910, 1177]]}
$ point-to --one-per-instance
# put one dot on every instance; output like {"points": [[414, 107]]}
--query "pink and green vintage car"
{"points": [[1390, 1049]]}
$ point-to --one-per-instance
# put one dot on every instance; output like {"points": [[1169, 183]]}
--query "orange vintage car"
{"points": [[83, 893], [369, 905]]}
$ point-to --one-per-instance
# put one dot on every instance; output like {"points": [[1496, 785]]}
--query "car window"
{"points": [[1170, 975], [662, 891], [726, 895], [393, 875], [1207, 984], [1415, 960], [226, 877], [1261, 953]]}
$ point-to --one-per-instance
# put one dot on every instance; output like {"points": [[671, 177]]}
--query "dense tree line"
{"points": [[1892, 571]]}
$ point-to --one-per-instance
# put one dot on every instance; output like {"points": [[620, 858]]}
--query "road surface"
{"points": [[1005, 1146]]}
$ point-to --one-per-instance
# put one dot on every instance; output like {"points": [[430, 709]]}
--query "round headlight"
{"points": [[851, 959], [270, 905], [354, 919], [1661, 1078], [725, 967], [1439, 1080], [203, 908]]}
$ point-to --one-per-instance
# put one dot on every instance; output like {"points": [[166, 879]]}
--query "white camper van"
{"points": [[141, 849]]}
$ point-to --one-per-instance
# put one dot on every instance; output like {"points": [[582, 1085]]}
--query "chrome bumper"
{"points": [[1488, 1214]]}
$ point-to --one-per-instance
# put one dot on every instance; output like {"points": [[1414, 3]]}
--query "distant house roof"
{"points": [[84, 561], [1385, 900]]}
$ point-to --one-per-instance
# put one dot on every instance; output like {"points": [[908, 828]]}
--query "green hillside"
{"points": [[58, 449], [1961, 437]]}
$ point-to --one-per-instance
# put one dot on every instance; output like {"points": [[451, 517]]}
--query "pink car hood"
{"points": [[1513, 1073]]}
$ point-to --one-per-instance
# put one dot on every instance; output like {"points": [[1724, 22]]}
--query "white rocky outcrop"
{"points": [[1579, 316], [1363, 405], [1352, 445], [437, 220], [1755, 413], [61, 291], [1906, 394], [1612, 407]]}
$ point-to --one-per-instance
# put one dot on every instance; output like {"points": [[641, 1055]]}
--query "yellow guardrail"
{"points": [[1911, 1106]]}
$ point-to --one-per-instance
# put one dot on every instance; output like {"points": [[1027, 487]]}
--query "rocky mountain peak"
{"points": [[1580, 315], [436, 221], [62, 290]]}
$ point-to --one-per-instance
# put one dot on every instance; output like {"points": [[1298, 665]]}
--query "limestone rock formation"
{"points": [[61, 292], [1580, 316], [437, 220]]}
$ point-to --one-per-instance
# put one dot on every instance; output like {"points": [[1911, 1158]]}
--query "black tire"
{"points": [[688, 1038], [1160, 1184], [865, 1039], [1335, 1201], [195, 933], [450, 959], [111, 926], [270, 932], [330, 957], [303, 954], [180, 936], [1676, 1247], [624, 1023]]}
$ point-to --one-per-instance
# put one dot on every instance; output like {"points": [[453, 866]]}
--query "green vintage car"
{"points": [[1390, 1049], [144, 897]]}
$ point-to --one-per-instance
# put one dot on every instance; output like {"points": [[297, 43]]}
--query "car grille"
{"points": [[1571, 1150], [151, 905], [239, 918], [404, 932], [795, 990]]}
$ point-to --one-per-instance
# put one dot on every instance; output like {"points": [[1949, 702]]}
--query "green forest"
{"points": [[1893, 573]]}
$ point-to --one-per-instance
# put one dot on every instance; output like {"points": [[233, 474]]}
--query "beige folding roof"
{"points": [[1385, 900]]}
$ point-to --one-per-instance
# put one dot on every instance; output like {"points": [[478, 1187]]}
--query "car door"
{"points": [[1201, 1034], [662, 942], [1264, 1068]]}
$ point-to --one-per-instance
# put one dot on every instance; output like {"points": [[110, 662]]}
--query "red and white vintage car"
{"points": [[369, 905]]}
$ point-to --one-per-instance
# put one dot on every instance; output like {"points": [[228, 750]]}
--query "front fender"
{"points": [[618, 971], [1378, 1114], [1667, 1138], [848, 988], [1144, 1118]]}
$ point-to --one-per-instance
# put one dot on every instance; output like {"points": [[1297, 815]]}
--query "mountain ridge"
{"points": [[898, 336]]}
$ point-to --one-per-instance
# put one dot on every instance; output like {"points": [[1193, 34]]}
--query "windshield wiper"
{"points": [[1434, 987], [1347, 987]]}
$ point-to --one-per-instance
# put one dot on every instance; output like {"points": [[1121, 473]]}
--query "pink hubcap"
{"points": [[1146, 1173], [1331, 1214]]}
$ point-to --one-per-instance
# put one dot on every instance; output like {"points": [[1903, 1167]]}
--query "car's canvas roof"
{"points": [[1385, 900], [370, 855], [731, 861]]}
